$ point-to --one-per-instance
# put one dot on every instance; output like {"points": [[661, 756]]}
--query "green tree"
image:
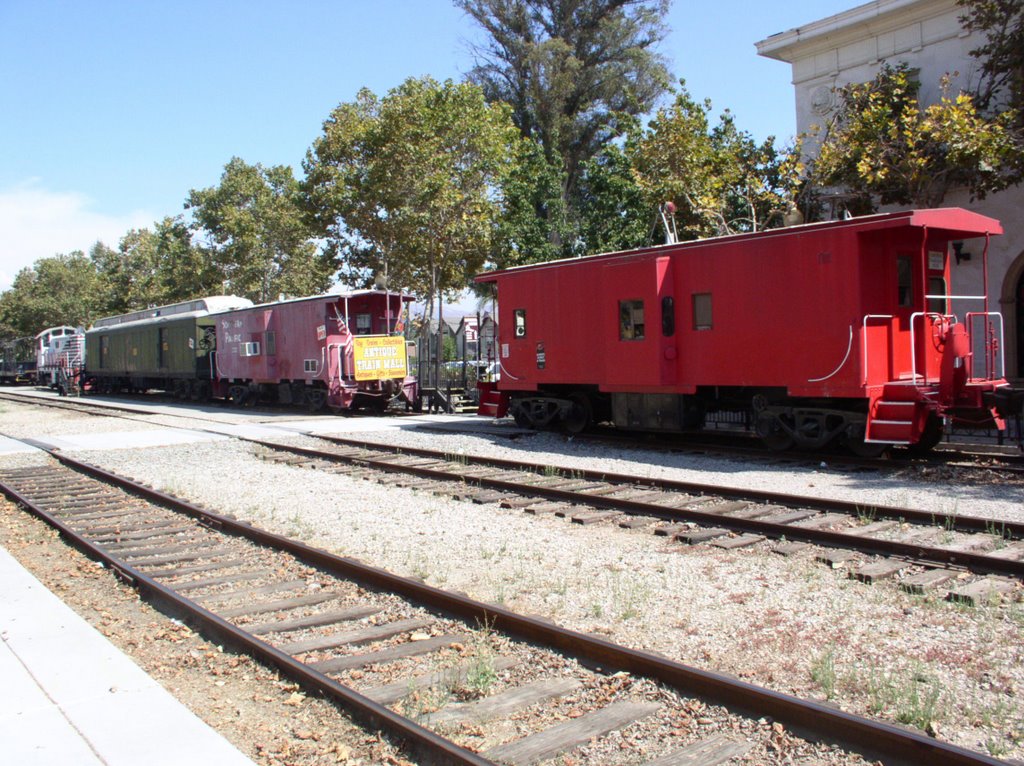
{"points": [[1002, 55], [130, 272], [64, 289], [531, 209], [407, 185], [615, 214], [257, 233], [720, 180], [184, 269], [575, 73], [881, 142], [1001, 87]]}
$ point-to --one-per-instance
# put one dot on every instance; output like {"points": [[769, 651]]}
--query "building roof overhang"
{"points": [[849, 26]]}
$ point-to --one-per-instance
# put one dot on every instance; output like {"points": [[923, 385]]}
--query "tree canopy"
{"points": [[720, 180], [409, 184], [882, 142], [574, 73], [257, 235], [1001, 87], [64, 289]]}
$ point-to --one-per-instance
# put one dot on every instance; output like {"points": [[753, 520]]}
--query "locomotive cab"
{"points": [[59, 352]]}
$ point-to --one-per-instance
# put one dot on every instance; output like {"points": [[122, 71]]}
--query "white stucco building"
{"points": [[927, 35]]}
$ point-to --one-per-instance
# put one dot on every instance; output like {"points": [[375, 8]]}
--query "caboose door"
{"points": [[630, 317]]}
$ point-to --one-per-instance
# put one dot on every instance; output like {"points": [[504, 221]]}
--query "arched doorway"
{"points": [[1011, 306], [1019, 301]]}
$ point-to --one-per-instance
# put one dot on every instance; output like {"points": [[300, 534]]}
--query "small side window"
{"points": [[310, 365], [904, 282], [363, 324], [519, 323], [270, 339], [702, 311], [937, 286], [250, 349], [631, 320], [668, 316]]}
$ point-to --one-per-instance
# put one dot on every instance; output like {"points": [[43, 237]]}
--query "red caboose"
{"points": [[840, 330], [335, 350]]}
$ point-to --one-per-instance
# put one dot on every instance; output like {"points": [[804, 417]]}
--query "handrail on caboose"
{"points": [[951, 318], [993, 341], [993, 345], [849, 348]]}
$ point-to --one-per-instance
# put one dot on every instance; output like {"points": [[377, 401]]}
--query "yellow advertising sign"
{"points": [[379, 357]]}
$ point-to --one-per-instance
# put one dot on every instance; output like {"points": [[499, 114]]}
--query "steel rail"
{"points": [[373, 715], [976, 562], [872, 738], [1009, 462], [964, 523]]}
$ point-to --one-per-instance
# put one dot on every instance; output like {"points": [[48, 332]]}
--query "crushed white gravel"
{"points": [[787, 623]]}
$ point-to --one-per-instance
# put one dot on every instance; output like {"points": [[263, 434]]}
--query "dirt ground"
{"points": [[263, 715]]}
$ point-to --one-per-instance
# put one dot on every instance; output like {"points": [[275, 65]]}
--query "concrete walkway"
{"points": [[69, 696]]}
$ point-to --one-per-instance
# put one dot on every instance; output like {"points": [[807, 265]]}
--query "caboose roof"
{"points": [[953, 222], [328, 297]]}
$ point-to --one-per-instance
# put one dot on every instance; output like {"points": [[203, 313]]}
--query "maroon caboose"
{"points": [[340, 350], [833, 331]]}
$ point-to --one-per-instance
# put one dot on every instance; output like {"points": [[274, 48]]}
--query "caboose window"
{"points": [[702, 311], [937, 286], [309, 365], [363, 324], [270, 339], [519, 320], [631, 320], [251, 349], [904, 281], [668, 316]]}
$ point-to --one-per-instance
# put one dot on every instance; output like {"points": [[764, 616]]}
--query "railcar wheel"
{"points": [[316, 398], [237, 395], [773, 434], [930, 437], [201, 391], [521, 418], [580, 414], [853, 440]]}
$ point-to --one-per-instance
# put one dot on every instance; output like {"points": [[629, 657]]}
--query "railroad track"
{"points": [[986, 460], [924, 551], [977, 458], [389, 649], [943, 548]]}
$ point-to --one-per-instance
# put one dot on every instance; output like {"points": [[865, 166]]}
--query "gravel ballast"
{"points": [[787, 623]]}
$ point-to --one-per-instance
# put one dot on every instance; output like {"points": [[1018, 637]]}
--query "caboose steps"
{"points": [[890, 431], [897, 415], [892, 421], [895, 411]]}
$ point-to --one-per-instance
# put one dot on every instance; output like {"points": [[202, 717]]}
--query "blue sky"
{"points": [[110, 112]]}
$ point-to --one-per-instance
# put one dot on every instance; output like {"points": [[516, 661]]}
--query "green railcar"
{"points": [[167, 348]]}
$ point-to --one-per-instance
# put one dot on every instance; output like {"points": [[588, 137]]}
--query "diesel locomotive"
{"points": [[839, 332], [60, 357]]}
